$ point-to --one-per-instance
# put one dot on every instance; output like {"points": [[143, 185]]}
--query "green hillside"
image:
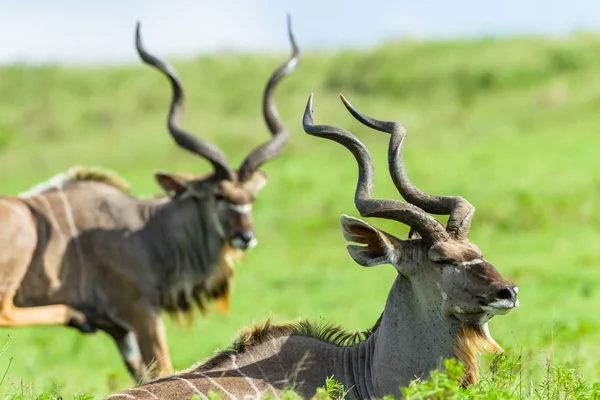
{"points": [[511, 124]]}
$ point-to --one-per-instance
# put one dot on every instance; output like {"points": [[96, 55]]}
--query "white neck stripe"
{"points": [[472, 262], [242, 209]]}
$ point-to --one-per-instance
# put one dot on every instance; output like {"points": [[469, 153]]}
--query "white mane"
{"points": [[56, 182], [78, 173]]}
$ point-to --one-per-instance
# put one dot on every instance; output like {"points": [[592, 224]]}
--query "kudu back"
{"points": [[79, 250], [438, 307]]}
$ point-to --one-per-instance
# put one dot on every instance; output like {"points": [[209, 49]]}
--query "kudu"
{"points": [[78, 250], [438, 307]]}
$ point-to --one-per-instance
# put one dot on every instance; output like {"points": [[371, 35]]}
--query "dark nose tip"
{"points": [[246, 236], [507, 293]]}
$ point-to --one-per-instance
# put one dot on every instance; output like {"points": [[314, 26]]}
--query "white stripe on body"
{"points": [[246, 377], [54, 225], [194, 388], [283, 374], [255, 363], [56, 182], [52, 217], [74, 238], [211, 380]]}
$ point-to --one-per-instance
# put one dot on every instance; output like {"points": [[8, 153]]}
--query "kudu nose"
{"points": [[246, 236], [508, 293], [244, 240]]}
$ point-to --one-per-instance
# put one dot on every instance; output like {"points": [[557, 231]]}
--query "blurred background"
{"points": [[67, 31], [500, 100]]}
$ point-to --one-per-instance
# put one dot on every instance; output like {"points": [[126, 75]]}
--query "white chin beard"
{"points": [[252, 244], [240, 244]]}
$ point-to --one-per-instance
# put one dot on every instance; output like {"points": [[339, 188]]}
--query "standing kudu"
{"points": [[78, 250], [438, 307]]}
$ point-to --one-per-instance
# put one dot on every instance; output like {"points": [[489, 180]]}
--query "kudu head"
{"points": [[446, 271], [231, 192]]}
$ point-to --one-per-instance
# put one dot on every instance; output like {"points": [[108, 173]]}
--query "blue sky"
{"points": [[79, 31]]}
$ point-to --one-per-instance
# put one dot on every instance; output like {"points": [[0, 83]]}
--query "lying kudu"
{"points": [[78, 250], [438, 307]]}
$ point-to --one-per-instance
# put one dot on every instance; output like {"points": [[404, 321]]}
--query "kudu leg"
{"points": [[126, 342], [131, 355], [152, 340], [58, 314]]}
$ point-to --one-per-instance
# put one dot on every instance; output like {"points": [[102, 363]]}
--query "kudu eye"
{"points": [[445, 262]]}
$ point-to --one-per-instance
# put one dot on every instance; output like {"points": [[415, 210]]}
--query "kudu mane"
{"points": [[177, 301], [257, 334], [79, 173]]}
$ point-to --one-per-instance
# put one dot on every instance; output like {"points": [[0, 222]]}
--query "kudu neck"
{"points": [[175, 214], [184, 231], [150, 208], [413, 338]]}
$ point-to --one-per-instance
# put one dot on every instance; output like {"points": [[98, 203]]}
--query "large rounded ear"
{"points": [[381, 247], [170, 183]]}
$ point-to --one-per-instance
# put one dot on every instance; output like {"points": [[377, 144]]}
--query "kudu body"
{"points": [[78, 250], [438, 307]]}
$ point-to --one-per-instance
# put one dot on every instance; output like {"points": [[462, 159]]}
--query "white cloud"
{"points": [[69, 31], [90, 32]]}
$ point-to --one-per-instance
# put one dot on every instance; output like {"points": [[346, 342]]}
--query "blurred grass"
{"points": [[511, 124]]}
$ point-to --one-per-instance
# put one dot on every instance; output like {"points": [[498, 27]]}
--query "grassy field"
{"points": [[512, 125]]}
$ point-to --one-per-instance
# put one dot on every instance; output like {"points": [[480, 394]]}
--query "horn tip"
{"points": [[295, 49], [345, 101], [307, 118], [138, 36]]}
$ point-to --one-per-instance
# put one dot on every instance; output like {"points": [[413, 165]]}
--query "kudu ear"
{"points": [[380, 246], [170, 183]]}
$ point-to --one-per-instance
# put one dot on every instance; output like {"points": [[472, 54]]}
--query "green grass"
{"points": [[512, 125]]}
